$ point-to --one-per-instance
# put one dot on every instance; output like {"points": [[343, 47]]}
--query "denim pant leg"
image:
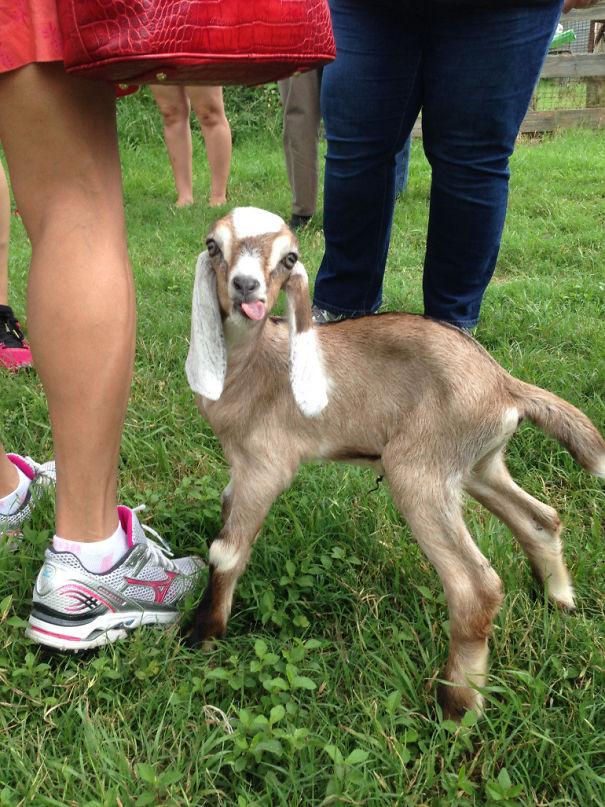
{"points": [[480, 69], [363, 94]]}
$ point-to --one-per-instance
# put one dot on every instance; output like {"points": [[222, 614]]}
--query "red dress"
{"points": [[29, 32]]}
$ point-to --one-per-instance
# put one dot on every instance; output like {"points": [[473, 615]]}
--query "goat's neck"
{"points": [[241, 341]]}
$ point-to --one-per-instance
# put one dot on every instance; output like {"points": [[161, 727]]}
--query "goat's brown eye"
{"points": [[212, 247], [290, 259]]}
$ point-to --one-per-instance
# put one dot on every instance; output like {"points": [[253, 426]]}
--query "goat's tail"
{"points": [[565, 423]]}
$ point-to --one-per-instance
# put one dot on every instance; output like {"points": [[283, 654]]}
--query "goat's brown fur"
{"points": [[416, 399]]}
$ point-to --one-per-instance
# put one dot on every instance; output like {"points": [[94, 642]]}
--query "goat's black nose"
{"points": [[245, 284]]}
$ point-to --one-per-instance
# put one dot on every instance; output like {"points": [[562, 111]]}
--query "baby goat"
{"points": [[419, 401]]}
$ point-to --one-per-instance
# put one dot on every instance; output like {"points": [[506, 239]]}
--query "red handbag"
{"points": [[194, 41]]}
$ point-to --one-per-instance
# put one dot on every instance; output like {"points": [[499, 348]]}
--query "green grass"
{"points": [[323, 691]]}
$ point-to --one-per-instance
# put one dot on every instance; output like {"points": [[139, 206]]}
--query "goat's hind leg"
{"points": [[535, 525], [431, 506]]}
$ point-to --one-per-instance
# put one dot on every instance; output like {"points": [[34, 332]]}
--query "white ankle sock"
{"points": [[96, 556], [12, 502]]}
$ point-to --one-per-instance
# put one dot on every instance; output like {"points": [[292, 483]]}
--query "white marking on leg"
{"points": [[472, 659], [558, 581], [223, 556], [469, 668]]}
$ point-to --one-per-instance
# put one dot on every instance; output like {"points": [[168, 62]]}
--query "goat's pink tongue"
{"points": [[254, 310]]}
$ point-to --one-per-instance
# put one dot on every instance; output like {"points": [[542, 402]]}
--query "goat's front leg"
{"points": [[227, 501], [246, 501]]}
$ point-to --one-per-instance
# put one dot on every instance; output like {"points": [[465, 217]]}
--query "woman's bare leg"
{"points": [[207, 103], [5, 223], [61, 146], [175, 108]]}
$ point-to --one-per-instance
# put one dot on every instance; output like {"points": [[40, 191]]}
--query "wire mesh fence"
{"points": [[569, 92]]}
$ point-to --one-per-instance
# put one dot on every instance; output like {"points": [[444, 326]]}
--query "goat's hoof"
{"points": [[455, 701], [205, 645], [565, 607], [190, 640], [192, 636], [196, 639], [564, 604], [201, 636], [561, 596]]}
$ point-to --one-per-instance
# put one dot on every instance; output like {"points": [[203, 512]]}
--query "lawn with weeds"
{"points": [[323, 691]]}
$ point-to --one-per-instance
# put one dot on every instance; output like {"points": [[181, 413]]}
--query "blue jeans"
{"points": [[472, 73]]}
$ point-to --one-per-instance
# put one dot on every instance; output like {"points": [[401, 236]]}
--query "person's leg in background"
{"points": [[14, 350], [175, 108], [207, 103], [364, 94], [480, 68], [302, 118]]}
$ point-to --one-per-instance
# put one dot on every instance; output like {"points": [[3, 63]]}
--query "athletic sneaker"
{"points": [[321, 316], [14, 350], [41, 475], [74, 609]]}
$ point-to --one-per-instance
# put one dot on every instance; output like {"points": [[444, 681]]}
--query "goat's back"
{"points": [[446, 381], [409, 358]]}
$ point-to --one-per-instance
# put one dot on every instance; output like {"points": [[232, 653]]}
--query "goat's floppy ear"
{"points": [[206, 362], [309, 384]]}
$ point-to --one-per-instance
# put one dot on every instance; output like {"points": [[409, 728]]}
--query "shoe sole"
{"points": [[106, 629], [15, 362]]}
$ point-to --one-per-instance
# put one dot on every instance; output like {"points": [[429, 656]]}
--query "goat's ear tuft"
{"points": [[307, 378], [206, 362]]}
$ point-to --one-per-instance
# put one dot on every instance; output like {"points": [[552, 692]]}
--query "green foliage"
{"points": [[250, 110], [253, 110], [323, 691]]}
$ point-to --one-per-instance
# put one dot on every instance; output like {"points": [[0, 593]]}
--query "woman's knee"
{"points": [[172, 103], [174, 112], [207, 116], [208, 105]]}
